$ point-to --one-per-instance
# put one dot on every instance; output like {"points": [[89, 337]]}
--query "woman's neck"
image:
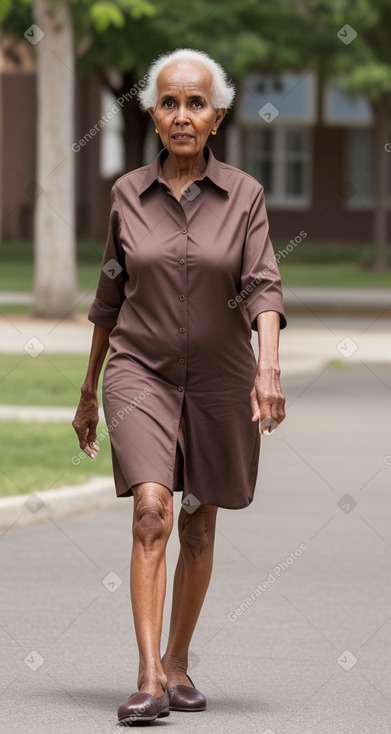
{"points": [[183, 168]]}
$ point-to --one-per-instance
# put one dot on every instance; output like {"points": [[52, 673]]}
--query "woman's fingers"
{"points": [[91, 449], [254, 405], [85, 429], [267, 401], [267, 425]]}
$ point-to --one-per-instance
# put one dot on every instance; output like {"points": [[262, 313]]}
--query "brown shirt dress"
{"points": [[181, 285]]}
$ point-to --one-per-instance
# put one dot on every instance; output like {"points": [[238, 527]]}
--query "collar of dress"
{"points": [[214, 170]]}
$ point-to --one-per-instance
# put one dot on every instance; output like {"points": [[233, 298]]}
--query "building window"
{"points": [[280, 159], [345, 110], [293, 95], [360, 168]]}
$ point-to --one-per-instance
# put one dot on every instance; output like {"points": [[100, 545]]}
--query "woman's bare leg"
{"points": [[191, 581], [152, 525]]}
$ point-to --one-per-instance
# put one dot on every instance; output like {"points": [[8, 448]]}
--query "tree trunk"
{"points": [[54, 222], [382, 168]]}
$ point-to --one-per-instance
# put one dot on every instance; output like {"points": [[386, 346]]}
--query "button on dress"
{"points": [[181, 285]]}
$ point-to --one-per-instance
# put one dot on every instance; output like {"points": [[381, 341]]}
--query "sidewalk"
{"points": [[298, 299], [301, 347], [341, 301]]}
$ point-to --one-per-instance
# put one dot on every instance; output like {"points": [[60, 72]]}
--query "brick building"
{"points": [[311, 148]]}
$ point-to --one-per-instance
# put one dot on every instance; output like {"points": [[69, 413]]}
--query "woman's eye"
{"points": [[169, 103]]}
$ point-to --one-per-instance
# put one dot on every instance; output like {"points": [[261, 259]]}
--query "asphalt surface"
{"points": [[307, 653]]}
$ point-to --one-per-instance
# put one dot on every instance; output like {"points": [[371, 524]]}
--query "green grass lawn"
{"points": [[52, 379], [16, 265], [331, 264], [38, 456], [14, 309], [342, 274], [318, 264]]}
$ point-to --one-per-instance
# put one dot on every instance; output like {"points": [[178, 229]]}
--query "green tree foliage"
{"points": [[117, 40]]}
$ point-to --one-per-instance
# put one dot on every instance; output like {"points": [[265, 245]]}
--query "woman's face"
{"points": [[184, 114]]}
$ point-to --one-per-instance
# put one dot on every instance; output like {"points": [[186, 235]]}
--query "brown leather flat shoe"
{"points": [[143, 707], [186, 698]]}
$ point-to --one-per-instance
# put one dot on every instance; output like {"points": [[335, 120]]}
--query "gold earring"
{"points": [[156, 130], [214, 132]]}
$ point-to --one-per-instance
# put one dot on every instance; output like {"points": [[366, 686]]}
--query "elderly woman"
{"points": [[188, 272]]}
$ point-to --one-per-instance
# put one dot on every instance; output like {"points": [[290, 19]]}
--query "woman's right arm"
{"points": [[87, 414]]}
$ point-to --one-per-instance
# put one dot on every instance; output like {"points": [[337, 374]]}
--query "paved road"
{"points": [[307, 655]]}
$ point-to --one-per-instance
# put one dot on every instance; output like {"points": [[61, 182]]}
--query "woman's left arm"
{"points": [[266, 397]]}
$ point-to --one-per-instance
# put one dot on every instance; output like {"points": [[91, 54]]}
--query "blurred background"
{"points": [[311, 121]]}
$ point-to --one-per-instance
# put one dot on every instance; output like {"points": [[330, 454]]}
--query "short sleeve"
{"points": [[260, 277], [110, 294]]}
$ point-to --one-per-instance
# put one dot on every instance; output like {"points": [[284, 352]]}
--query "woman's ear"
{"points": [[220, 114], [151, 111]]}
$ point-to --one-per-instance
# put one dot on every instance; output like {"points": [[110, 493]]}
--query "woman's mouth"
{"points": [[182, 137]]}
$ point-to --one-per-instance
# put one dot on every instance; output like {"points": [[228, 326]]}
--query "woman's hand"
{"points": [[267, 399], [87, 415], [85, 422]]}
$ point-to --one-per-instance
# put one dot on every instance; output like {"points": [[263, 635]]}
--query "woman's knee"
{"points": [[197, 530], [152, 514]]}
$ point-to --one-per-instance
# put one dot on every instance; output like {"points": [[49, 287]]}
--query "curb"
{"points": [[56, 504], [336, 301], [36, 413]]}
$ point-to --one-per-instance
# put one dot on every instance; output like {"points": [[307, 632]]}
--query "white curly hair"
{"points": [[223, 90]]}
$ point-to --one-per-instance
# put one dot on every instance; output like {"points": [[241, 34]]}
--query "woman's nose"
{"points": [[182, 116]]}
